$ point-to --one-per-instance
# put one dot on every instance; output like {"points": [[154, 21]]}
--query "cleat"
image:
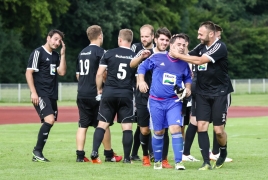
{"points": [[146, 161], [189, 158], [158, 165], [113, 159], [95, 158], [39, 157], [151, 157], [127, 161], [165, 164], [135, 158], [85, 159], [179, 166], [214, 157], [205, 166], [220, 161], [35, 160]]}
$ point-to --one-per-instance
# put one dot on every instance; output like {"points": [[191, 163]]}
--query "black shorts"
{"points": [[212, 108], [186, 118], [143, 116], [46, 107], [88, 112], [122, 106], [193, 107]]}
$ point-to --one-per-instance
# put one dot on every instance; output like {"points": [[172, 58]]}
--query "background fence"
{"points": [[68, 91]]}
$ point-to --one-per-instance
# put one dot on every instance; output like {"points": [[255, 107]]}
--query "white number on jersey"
{"points": [[85, 65], [122, 73]]}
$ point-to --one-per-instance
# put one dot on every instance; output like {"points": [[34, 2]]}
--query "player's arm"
{"points": [[62, 67], [30, 81], [191, 59], [77, 77], [188, 89], [139, 57], [99, 78], [142, 69]]}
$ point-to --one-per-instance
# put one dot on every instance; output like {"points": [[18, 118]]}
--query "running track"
{"points": [[15, 115]]}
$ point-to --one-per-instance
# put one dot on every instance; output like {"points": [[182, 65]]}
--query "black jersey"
{"points": [[45, 74], [120, 75], [212, 77], [87, 66]]}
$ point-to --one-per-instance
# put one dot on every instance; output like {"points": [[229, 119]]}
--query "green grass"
{"points": [[237, 100], [247, 145]]}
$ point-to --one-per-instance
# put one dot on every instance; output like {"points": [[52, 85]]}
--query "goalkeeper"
{"points": [[164, 104]]}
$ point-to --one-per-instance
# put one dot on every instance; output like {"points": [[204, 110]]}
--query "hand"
{"points": [[35, 99], [188, 92], [99, 91], [181, 93], [62, 51], [143, 87], [145, 53], [98, 97]]}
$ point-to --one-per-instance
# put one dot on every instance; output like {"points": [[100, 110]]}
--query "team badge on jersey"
{"points": [[53, 69], [169, 79], [202, 67]]}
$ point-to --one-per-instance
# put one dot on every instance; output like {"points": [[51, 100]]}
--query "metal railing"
{"points": [[68, 91]]}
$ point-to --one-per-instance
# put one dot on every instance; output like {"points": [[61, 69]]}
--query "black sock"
{"points": [[216, 146], [223, 150], [42, 136], [166, 144], [136, 143], [127, 141], [97, 138], [189, 138], [80, 154], [108, 153], [144, 143], [150, 147], [203, 141]]}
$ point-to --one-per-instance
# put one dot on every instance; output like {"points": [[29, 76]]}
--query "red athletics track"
{"points": [[15, 115]]}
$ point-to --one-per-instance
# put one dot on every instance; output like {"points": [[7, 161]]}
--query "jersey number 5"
{"points": [[84, 64], [122, 73]]}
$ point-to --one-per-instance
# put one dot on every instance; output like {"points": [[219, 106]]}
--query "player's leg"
{"points": [[190, 133], [87, 115], [136, 145], [219, 116], [143, 118], [125, 116], [203, 111], [175, 121], [106, 116], [157, 125], [48, 112]]}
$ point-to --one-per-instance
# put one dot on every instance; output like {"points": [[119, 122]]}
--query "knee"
{"points": [[159, 133], [145, 130]]}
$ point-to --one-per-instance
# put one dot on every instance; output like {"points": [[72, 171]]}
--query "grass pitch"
{"points": [[247, 146]]}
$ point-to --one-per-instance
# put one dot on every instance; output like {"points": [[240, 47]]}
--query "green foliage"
{"points": [[244, 23], [31, 16]]}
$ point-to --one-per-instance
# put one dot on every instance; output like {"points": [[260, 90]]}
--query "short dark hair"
{"points": [[164, 31], [209, 25], [54, 31], [174, 37], [218, 28], [187, 38]]}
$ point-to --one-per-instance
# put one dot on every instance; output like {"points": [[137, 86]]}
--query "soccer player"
{"points": [[117, 94], [146, 37], [162, 37], [86, 69], [44, 66], [213, 90], [192, 127], [163, 106]]}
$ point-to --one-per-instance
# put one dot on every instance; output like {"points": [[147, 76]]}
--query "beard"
{"points": [[146, 44], [205, 41]]}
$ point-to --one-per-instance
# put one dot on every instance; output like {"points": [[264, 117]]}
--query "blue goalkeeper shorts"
{"points": [[164, 113]]}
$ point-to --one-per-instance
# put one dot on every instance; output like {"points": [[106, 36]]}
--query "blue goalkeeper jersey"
{"points": [[167, 72]]}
